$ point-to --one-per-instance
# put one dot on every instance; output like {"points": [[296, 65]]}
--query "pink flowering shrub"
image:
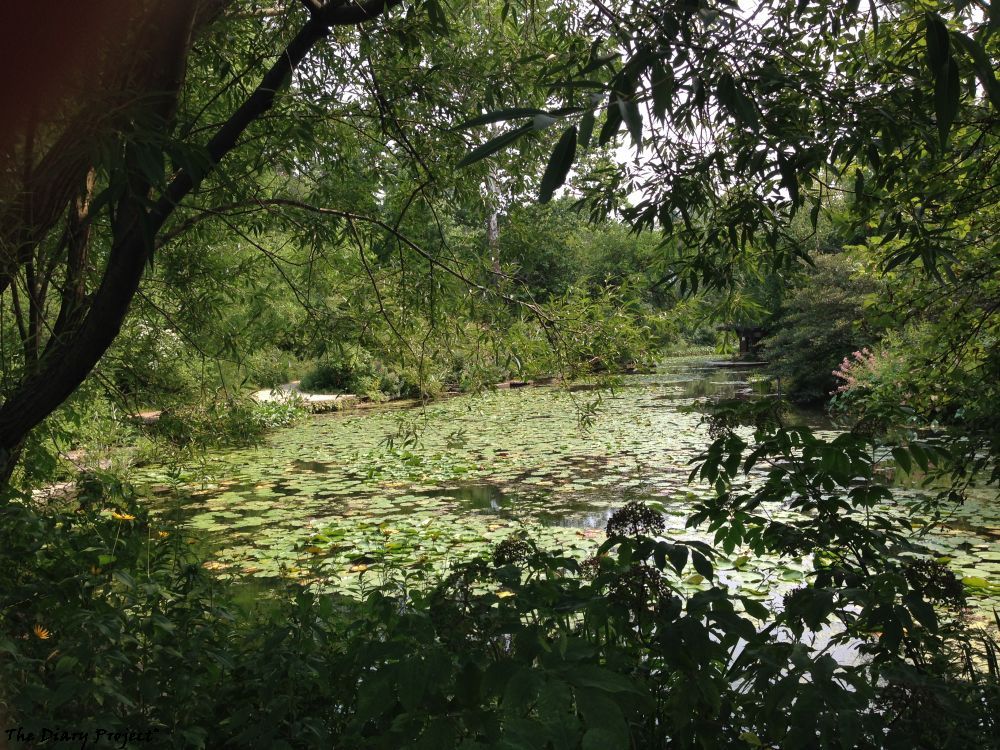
{"points": [[856, 369], [874, 384]]}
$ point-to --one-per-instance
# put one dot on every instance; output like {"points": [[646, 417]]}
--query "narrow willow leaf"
{"points": [[559, 163], [937, 42], [494, 145], [586, 129], [663, 89], [633, 120], [599, 61], [789, 178], [947, 90], [611, 124], [542, 121], [982, 66], [500, 115]]}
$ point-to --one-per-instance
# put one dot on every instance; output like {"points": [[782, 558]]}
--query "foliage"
{"points": [[329, 377], [223, 421], [821, 322], [339, 223], [116, 624], [607, 332]]}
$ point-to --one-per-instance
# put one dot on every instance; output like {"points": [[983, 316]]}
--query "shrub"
{"points": [[117, 625], [223, 421], [330, 376]]}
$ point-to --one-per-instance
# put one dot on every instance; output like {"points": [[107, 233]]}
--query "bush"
{"points": [[152, 364], [358, 372], [224, 422], [117, 625], [608, 332], [107, 620], [330, 376]]}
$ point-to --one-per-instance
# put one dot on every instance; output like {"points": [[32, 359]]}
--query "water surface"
{"points": [[342, 498]]}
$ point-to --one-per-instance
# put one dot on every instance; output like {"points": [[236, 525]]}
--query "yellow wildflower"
{"points": [[163, 534], [42, 633], [122, 516]]}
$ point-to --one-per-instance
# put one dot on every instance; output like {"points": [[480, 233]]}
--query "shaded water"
{"points": [[344, 496]]}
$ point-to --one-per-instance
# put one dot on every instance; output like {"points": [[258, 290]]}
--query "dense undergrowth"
{"points": [[109, 621]]}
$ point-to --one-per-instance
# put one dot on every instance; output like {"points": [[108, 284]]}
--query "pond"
{"points": [[345, 500]]}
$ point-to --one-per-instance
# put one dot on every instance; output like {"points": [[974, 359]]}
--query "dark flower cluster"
{"points": [[638, 587], [635, 519], [789, 600], [511, 551], [590, 567]]}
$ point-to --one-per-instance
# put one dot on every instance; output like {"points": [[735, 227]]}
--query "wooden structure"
{"points": [[749, 337]]}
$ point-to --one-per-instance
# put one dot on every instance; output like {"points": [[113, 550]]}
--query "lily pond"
{"points": [[347, 500]]}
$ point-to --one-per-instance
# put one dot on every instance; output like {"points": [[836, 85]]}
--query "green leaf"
{"points": [[663, 89], [947, 90], [976, 582], [589, 676], [981, 64], [500, 115], [412, 683], [902, 458], [919, 456], [701, 564], [612, 122], [66, 664], [440, 733], [601, 739], [633, 120], [678, 555], [922, 611], [494, 145], [559, 164], [937, 41], [789, 177], [755, 608], [736, 102], [602, 714], [521, 689]]}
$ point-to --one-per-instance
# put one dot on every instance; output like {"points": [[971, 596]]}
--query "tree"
{"points": [[144, 77], [741, 117], [99, 183], [821, 322]]}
